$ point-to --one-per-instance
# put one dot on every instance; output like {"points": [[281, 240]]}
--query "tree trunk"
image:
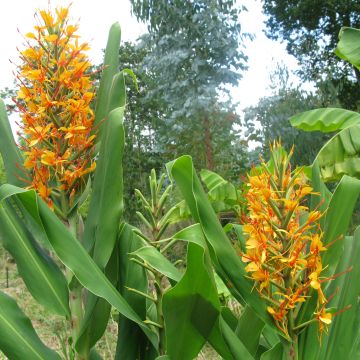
{"points": [[357, 74], [208, 143]]}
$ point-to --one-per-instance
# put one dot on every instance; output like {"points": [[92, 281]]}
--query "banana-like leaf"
{"points": [[348, 47], [106, 204], [74, 256], [18, 338], [219, 188], [111, 67], [191, 304], [341, 155], [325, 119], [226, 262], [158, 261], [131, 343], [9, 151], [43, 278]]}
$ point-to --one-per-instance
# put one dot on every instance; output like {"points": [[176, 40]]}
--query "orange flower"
{"points": [[54, 98], [282, 254]]}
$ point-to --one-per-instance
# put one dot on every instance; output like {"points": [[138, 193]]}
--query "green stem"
{"points": [[75, 294]]}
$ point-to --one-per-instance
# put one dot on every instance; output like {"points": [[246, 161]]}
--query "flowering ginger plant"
{"points": [[54, 100], [284, 243]]}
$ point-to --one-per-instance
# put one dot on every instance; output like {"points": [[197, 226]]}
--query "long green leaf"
{"points": [[43, 278], [131, 343], [227, 263], [9, 151], [193, 303], [249, 335], [341, 155], [348, 47], [343, 339], [97, 311], [159, 262], [325, 119], [75, 257], [337, 221], [111, 67], [106, 204], [18, 340]]}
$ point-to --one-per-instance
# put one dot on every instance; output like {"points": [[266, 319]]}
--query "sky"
{"points": [[95, 21]]}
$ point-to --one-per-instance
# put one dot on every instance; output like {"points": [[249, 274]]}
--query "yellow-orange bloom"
{"points": [[54, 99], [282, 253]]}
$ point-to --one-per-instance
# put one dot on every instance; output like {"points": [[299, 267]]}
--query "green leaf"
{"points": [[43, 278], [348, 47], [219, 188], [191, 307], [274, 353], [341, 155], [337, 221], [131, 343], [117, 94], [157, 261], [344, 335], [18, 338], [75, 257], [9, 151], [111, 67], [106, 204], [250, 335], [236, 347], [97, 311], [325, 119], [226, 262]]}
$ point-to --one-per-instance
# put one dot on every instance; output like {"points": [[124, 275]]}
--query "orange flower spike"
{"points": [[54, 100], [282, 253]]}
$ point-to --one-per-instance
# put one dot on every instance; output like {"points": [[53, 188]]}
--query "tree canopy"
{"points": [[310, 29], [195, 54]]}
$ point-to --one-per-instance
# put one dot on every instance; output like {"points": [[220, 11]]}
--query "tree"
{"points": [[310, 29], [195, 54]]}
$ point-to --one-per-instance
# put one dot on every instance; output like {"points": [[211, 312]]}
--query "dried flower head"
{"points": [[54, 100], [284, 243]]}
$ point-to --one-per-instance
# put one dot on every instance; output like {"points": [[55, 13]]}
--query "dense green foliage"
{"points": [[194, 53], [311, 36]]}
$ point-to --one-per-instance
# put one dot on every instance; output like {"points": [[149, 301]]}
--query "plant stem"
{"points": [[75, 295]]}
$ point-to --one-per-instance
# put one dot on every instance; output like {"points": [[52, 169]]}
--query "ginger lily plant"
{"points": [[284, 277]]}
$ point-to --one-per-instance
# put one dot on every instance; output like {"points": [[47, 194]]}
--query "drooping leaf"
{"points": [[74, 256], [43, 278], [348, 47], [341, 155], [18, 338], [226, 262], [325, 119]]}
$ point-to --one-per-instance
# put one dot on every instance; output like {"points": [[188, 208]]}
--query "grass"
{"points": [[52, 329]]}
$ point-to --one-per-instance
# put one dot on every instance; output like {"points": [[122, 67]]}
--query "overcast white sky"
{"points": [[96, 18]]}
